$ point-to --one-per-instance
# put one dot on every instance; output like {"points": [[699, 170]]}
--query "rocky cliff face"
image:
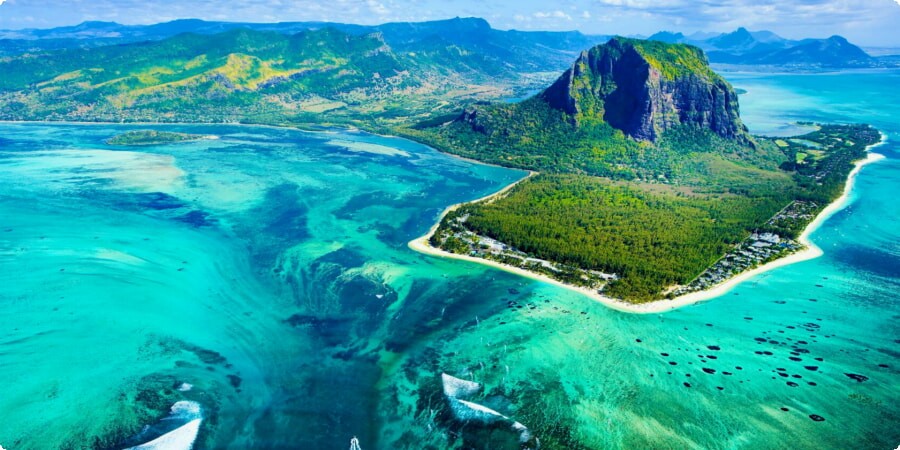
{"points": [[644, 88]]}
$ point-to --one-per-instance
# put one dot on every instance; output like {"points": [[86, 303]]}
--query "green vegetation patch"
{"points": [[152, 137], [673, 60], [650, 240]]}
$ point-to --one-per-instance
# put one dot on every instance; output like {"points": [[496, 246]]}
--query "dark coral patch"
{"points": [[859, 378]]}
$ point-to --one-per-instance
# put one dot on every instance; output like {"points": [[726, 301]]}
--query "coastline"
{"points": [[327, 130], [811, 251], [421, 245]]}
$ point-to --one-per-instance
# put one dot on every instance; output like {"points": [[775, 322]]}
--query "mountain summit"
{"points": [[624, 109], [644, 88]]}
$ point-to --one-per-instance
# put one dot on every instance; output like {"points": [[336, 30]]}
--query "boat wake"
{"points": [[177, 431]]}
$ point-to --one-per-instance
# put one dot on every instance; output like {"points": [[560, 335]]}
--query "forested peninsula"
{"points": [[650, 186]]}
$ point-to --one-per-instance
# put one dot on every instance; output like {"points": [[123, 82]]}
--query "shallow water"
{"points": [[269, 270]]}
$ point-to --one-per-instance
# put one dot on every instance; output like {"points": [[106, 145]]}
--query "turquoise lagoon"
{"points": [[268, 270]]}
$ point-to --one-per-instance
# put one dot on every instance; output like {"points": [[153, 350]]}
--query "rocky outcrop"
{"points": [[645, 88]]}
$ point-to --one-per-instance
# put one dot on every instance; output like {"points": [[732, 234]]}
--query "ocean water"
{"points": [[268, 270]]}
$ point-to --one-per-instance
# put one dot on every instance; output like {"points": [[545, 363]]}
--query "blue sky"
{"points": [[867, 22]]}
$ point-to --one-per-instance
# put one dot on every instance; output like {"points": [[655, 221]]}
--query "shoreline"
{"points": [[326, 130], [811, 251], [421, 245]]}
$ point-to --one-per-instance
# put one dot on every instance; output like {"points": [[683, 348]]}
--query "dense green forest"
{"points": [[649, 239], [532, 135]]}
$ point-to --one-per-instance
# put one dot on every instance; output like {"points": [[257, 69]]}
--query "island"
{"points": [[651, 193], [153, 137]]}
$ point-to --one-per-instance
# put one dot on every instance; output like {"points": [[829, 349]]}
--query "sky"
{"points": [[865, 22]]}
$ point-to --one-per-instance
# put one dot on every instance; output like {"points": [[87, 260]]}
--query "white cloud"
{"points": [[377, 8], [552, 15], [1, 2]]}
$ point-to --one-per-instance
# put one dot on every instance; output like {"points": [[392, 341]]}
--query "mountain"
{"points": [[613, 112], [236, 75], [519, 51], [644, 89], [763, 47], [739, 40], [516, 50], [668, 37], [835, 51], [347, 72], [766, 36]]}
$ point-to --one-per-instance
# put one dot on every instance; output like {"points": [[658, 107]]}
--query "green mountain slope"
{"points": [[622, 110], [313, 76], [504, 51], [231, 75]]}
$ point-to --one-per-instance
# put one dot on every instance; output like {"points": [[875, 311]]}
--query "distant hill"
{"points": [[301, 71], [668, 37], [746, 47], [517, 50], [236, 75], [739, 41], [832, 52]]}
